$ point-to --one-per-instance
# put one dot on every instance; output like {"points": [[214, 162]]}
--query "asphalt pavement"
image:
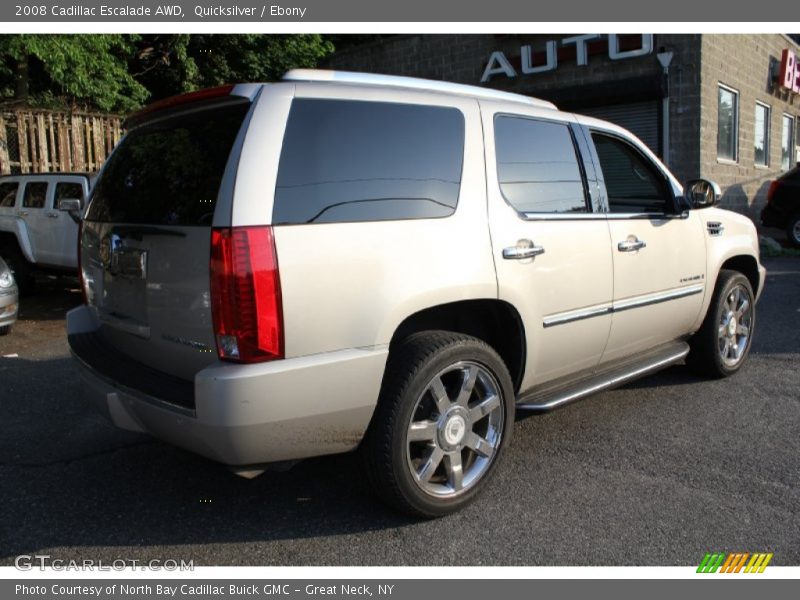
{"points": [[658, 472]]}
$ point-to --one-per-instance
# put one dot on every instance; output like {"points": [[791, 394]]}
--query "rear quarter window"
{"points": [[352, 161], [168, 172]]}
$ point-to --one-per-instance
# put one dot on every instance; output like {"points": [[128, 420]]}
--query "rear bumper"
{"points": [[253, 414]]}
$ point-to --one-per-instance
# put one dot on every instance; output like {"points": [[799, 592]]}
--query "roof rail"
{"points": [[412, 83]]}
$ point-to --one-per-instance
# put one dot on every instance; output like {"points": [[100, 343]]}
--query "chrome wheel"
{"points": [[736, 321], [796, 232], [455, 429]]}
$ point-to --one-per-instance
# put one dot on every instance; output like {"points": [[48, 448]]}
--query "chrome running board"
{"points": [[559, 393]]}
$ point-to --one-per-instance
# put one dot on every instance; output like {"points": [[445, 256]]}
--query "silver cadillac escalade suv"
{"points": [[341, 261]]}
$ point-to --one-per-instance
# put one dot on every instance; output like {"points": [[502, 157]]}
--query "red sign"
{"points": [[789, 76]]}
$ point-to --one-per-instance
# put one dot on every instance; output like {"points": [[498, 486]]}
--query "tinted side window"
{"points": [[35, 194], [345, 161], [68, 190], [537, 166], [632, 182], [8, 194], [168, 172]]}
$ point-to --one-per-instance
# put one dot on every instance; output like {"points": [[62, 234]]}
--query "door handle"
{"points": [[53, 215], [22, 213], [523, 249], [631, 244]]}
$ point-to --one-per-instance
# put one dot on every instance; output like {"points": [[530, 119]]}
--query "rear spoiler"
{"points": [[242, 91]]}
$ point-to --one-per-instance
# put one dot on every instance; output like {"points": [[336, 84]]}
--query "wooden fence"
{"points": [[34, 141]]}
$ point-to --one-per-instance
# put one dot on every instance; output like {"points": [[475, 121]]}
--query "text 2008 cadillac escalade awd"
{"points": [[341, 261]]}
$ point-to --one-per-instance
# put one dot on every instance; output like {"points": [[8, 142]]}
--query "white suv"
{"points": [[39, 218], [341, 261]]}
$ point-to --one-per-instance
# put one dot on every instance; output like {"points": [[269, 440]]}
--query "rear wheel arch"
{"points": [[495, 322]]}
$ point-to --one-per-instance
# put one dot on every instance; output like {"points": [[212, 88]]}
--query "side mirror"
{"points": [[702, 193], [70, 204]]}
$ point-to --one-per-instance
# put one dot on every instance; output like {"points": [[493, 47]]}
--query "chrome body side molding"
{"points": [[626, 304]]}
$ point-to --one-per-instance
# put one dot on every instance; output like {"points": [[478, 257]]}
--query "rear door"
{"points": [[147, 231], [550, 245], [658, 249], [37, 200]]}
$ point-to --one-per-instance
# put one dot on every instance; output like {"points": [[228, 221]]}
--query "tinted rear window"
{"points": [[168, 172], [793, 175], [537, 166], [345, 161]]}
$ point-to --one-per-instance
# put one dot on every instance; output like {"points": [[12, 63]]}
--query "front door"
{"points": [[658, 251], [551, 251], [65, 224]]}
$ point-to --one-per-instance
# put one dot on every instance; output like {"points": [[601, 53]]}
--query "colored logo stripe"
{"points": [[758, 563], [734, 562], [711, 563]]}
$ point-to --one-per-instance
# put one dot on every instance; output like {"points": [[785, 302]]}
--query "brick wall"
{"points": [[742, 62]]}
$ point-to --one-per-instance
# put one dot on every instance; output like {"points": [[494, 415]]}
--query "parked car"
{"points": [[39, 217], [783, 205], [396, 266], [9, 299]]}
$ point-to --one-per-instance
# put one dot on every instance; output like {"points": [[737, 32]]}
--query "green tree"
{"points": [[89, 70], [120, 72], [171, 64]]}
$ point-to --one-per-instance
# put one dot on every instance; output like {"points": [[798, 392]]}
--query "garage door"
{"points": [[639, 117]]}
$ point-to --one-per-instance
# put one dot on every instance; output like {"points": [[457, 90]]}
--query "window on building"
{"points": [[787, 143], [633, 183], [537, 166], [762, 134], [728, 124], [353, 161]]}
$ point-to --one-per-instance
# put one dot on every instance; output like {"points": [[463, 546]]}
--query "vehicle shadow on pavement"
{"points": [[52, 298], [73, 480]]}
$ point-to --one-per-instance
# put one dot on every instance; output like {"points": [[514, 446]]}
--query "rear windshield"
{"points": [[168, 172]]}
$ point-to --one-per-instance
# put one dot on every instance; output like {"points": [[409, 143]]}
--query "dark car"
{"points": [[783, 205]]}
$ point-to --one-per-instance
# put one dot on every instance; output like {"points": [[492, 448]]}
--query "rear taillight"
{"points": [[246, 294], [773, 187]]}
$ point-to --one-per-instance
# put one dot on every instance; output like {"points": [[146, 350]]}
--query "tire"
{"points": [[5, 330], [721, 345], [793, 231], [21, 268], [444, 416]]}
